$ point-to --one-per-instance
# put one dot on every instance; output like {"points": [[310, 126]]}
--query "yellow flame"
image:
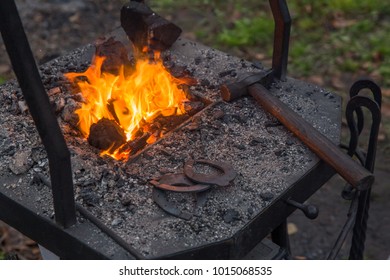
{"points": [[149, 91]]}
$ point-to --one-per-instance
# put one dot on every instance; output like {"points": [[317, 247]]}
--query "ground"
{"points": [[55, 27]]}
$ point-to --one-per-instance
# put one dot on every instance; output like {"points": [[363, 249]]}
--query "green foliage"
{"points": [[2, 80], [2, 255], [359, 6], [247, 32], [328, 36]]}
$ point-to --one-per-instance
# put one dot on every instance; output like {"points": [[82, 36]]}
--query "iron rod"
{"points": [[38, 103], [282, 21]]}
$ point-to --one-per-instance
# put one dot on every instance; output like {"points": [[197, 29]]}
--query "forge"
{"points": [[120, 211]]}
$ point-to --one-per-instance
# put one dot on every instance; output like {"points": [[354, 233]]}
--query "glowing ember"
{"points": [[131, 101]]}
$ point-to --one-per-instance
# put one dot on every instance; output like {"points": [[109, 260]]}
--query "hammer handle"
{"points": [[350, 170]]}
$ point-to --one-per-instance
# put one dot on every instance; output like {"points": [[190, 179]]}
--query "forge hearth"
{"points": [[265, 155]]}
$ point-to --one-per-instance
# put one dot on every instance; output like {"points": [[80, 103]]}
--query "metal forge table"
{"points": [[274, 168]]}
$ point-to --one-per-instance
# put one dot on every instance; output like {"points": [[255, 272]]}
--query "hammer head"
{"points": [[145, 28], [232, 91]]}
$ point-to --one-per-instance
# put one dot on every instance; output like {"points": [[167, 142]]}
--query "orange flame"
{"points": [[149, 91]]}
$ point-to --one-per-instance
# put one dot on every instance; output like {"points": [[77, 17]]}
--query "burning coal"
{"points": [[123, 100], [131, 101]]}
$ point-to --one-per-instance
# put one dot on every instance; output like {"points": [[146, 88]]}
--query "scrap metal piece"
{"points": [[222, 180], [160, 197], [146, 28], [178, 183]]}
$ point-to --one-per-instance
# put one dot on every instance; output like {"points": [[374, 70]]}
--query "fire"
{"points": [[131, 101]]}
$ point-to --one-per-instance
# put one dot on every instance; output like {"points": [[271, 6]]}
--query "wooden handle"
{"points": [[350, 170]]}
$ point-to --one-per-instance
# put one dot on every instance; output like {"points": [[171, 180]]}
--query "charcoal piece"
{"points": [[231, 215], [89, 197], [146, 28], [21, 163], [267, 196], [205, 82], [170, 122], [289, 142], [115, 54], [218, 114], [106, 135], [68, 112], [136, 145], [178, 71], [197, 60], [258, 65], [225, 73], [192, 107]]}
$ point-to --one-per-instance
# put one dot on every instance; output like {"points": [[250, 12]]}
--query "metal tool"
{"points": [[178, 183], [222, 180], [350, 170]]}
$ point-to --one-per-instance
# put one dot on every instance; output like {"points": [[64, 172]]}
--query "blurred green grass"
{"points": [[328, 36]]}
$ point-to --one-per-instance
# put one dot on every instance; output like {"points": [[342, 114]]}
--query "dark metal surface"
{"points": [[222, 180], [38, 103], [280, 237], [356, 103], [282, 20], [357, 216], [310, 211], [160, 197]]}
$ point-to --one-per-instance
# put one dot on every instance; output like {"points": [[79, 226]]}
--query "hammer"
{"points": [[354, 173]]}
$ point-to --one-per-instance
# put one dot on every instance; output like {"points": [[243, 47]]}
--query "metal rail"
{"points": [[282, 21], [38, 103]]}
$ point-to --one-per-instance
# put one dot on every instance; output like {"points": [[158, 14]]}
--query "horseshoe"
{"points": [[222, 180], [178, 183]]}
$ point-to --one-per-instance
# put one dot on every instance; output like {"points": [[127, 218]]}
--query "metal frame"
{"points": [[360, 201], [38, 103]]}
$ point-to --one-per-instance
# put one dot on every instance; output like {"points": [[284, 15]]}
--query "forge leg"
{"points": [[282, 21]]}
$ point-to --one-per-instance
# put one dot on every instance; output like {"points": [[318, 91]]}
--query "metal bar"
{"points": [[280, 237], [282, 21], [44, 231], [360, 227], [105, 229], [352, 172], [38, 103]]}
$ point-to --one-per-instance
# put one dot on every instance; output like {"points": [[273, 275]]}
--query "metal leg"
{"points": [[38, 103], [282, 20], [280, 237], [355, 105], [358, 214]]}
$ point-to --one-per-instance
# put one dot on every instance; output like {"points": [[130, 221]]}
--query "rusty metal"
{"points": [[178, 183], [160, 197], [222, 180]]}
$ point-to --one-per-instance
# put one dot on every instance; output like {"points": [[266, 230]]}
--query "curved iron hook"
{"points": [[353, 105], [355, 90]]}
